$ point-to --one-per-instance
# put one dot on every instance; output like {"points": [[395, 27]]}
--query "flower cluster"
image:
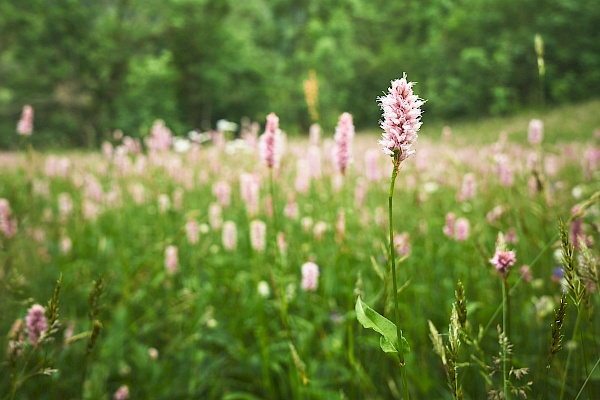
{"points": [[344, 133], [271, 142], [401, 119]]}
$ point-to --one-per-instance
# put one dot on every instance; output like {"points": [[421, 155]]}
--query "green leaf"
{"points": [[371, 319]]}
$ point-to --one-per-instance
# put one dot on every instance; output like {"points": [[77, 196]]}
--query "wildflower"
{"points": [[36, 323], [314, 134], [163, 202], [122, 393], [263, 289], [222, 191], [65, 245], [462, 229], [468, 188], [344, 133], [449, 227], [503, 259], [525, 272], [171, 259], [153, 353], [291, 208], [314, 161], [270, 142], [25, 125], [319, 230], [310, 276], [401, 119], [303, 175], [215, 216], [250, 191], [535, 131], [258, 231], [229, 236], [371, 171], [281, 242], [307, 224], [191, 230], [402, 244]]}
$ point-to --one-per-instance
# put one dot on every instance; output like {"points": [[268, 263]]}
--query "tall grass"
{"points": [[204, 332]]}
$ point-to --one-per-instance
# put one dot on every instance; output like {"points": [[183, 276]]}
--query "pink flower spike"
{"points": [[310, 276], [25, 125], [271, 142], [503, 259], [401, 119], [171, 259], [535, 131], [344, 134], [36, 323]]}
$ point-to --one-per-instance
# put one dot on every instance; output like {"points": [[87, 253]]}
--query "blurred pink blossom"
{"points": [[344, 136], [503, 259], [258, 233], [25, 125], [535, 131], [402, 244], [468, 188], [372, 171], [122, 393], [229, 236], [310, 276], [171, 259], [215, 218], [303, 176], [291, 208], [314, 134], [192, 231], [222, 191], [462, 229], [271, 142], [448, 229], [36, 323]]}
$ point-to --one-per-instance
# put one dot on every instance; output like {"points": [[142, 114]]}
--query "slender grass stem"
{"points": [[569, 354], [395, 283], [587, 379], [505, 338]]}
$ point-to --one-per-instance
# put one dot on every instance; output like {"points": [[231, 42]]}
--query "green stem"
{"points": [[395, 283], [569, 354], [587, 379], [505, 338]]}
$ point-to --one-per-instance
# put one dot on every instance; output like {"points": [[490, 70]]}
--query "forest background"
{"points": [[90, 67]]}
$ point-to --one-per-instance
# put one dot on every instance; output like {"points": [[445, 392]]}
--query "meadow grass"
{"points": [[203, 329]]}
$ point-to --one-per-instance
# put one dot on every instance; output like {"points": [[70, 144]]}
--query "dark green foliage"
{"points": [[89, 68]]}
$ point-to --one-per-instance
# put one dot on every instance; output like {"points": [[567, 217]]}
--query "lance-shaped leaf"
{"points": [[371, 319]]}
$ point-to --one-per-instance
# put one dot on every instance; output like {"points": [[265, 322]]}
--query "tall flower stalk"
{"points": [[401, 122]]}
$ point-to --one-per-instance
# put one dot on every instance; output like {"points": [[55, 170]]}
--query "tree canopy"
{"points": [[90, 67]]}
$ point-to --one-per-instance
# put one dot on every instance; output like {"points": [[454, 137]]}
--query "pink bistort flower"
{"points": [[229, 236], [192, 232], [462, 229], [271, 142], [401, 119], [310, 276], [448, 229], [258, 232], [171, 259], [36, 323], [25, 125], [503, 259], [344, 134], [122, 393], [535, 131]]}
